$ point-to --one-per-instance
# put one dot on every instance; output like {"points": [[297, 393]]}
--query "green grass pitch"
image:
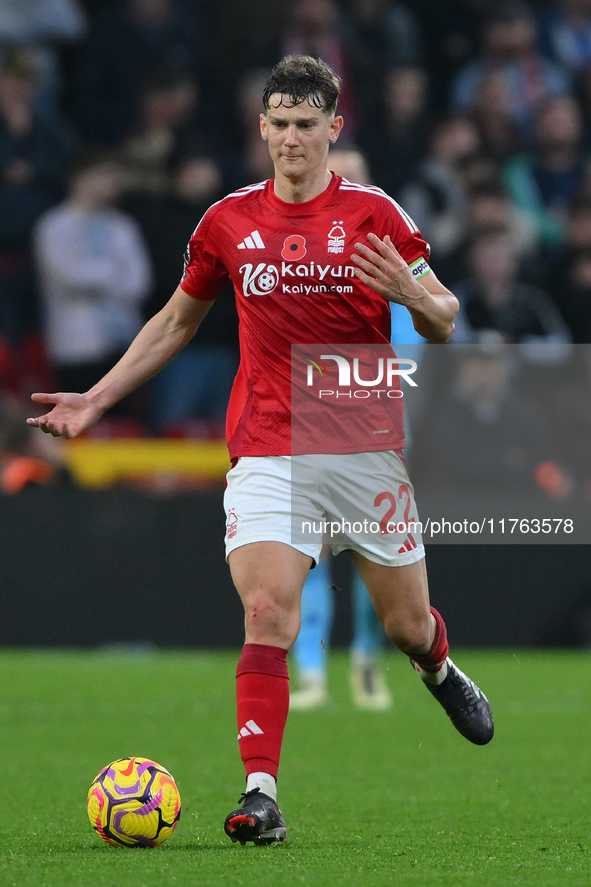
{"points": [[397, 798]]}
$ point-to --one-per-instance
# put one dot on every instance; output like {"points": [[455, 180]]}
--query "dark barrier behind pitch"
{"points": [[85, 569]]}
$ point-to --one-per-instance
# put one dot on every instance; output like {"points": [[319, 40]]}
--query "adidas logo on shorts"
{"points": [[408, 545]]}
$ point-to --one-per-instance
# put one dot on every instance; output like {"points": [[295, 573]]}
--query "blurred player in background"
{"points": [[369, 689], [368, 686], [255, 236]]}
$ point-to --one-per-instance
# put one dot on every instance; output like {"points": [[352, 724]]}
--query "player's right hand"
{"points": [[71, 415]]}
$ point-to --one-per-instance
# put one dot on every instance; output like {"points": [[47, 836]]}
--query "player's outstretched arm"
{"points": [[162, 337], [432, 306]]}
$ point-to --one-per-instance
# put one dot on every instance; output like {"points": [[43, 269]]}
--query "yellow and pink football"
{"points": [[134, 802]]}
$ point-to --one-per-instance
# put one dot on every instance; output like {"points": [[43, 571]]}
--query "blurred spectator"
{"points": [[484, 437], [584, 99], [27, 459], [489, 207], [41, 25], [249, 91], [492, 112], [510, 51], [350, 163], [163, 128], [437, 199], [578, 225], [29, 21], [246, 156], [450, 31], [380, 34], [397, 140], [192, 392], [478, 170], [124, 48], [570, 273], [545, 181], [494, 300], [383, 33], [167, 219], [255, 165], [94, 274], [565, 34], [315, 28], [34, 149], [572, 293], [247, 35]]}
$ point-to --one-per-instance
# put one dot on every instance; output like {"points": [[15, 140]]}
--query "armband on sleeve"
{"points": [[419, 268]]}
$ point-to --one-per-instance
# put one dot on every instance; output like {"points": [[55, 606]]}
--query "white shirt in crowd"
{"points": [[94, 273]]}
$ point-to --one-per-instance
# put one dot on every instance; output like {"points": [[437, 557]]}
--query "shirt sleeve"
{"points": [[205, 274], [407, 238]]}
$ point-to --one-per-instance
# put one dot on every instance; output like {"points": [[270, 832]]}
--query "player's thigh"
{"points": [[269, 577], [400, 596], [262, 505]]}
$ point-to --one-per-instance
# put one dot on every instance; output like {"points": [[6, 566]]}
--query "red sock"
{"points": [[437, 654], [262, 697]]}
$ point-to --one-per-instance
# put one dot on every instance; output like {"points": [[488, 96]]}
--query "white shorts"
{"points": [[359, 501]]}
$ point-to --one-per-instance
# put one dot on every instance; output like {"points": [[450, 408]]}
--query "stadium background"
{"points": [[165, 90]]}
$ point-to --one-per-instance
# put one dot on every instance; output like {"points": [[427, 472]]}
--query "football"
{"points": [[134, 802]]}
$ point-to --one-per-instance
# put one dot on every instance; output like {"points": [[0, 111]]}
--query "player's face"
{"points": [[298, 136]]}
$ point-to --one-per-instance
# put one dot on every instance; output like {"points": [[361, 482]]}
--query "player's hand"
{"points": [[385, 271], [71, 415]]}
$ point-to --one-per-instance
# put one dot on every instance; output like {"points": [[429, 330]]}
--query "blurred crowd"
{"points": [[121, 121]]}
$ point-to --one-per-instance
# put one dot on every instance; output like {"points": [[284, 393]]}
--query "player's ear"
{"points": [[335, 129], [263, 126]]}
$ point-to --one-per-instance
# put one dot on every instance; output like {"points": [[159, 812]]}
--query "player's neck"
{"points": [[299, 190]]}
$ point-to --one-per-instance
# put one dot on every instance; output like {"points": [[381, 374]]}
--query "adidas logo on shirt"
{"points": [[250, 728], [253, 241]]}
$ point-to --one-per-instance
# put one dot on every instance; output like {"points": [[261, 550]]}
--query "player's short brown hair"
{"points": [[300, 77]]}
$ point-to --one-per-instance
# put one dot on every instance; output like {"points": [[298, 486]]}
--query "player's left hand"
{"points": [[386, 272]]}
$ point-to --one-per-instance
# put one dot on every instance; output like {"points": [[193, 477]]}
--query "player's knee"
{"points": [[268, 620], [263, 611], [410, 635]]}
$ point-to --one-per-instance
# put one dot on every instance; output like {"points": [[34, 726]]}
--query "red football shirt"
{"points": [[294, 279]]}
